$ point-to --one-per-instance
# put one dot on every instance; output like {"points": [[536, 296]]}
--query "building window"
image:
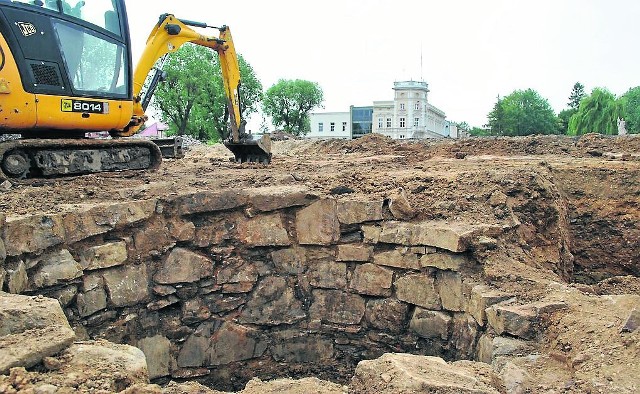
{"points": [[380, 120], [402, 107], [418, 106], [401, 136], [388, 123], [344, 126], [416, 122], [320, 127], [402, 122], [333, 127]]}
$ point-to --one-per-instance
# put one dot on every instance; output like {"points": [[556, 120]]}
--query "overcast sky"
{"points": [[471, 50]]}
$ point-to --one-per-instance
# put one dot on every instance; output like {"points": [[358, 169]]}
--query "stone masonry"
{"points": [[213, 280]]}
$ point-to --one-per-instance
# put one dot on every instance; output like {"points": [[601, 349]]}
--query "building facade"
{"points": [[330, 125], [409, 115]]}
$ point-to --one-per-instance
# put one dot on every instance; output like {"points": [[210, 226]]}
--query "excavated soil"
{"points": [[591, 183]]}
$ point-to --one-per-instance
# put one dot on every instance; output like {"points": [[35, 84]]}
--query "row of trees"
{"points": [[525, 112], [192, 100]]}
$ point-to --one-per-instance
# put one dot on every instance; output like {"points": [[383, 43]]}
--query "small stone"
{"points": [[6, 186], [633, 322]]}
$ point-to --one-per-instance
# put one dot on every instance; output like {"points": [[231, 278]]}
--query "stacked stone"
{"points": [[205, 280]]}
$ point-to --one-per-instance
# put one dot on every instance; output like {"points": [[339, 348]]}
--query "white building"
{"points": [[330, 125], [409, 115]]}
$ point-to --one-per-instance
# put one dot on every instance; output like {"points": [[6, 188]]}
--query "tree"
{"points": [[598, 113], [631, 107], [192, 99], [576, 96], [523, 112], [289, 102]]}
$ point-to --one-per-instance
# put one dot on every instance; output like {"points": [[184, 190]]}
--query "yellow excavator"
{"points": [[66, 70]]}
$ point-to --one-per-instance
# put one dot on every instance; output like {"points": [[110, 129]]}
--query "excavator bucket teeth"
{"points": [[251, 151]]}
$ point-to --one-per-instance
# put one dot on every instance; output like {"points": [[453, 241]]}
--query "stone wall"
{"points": [[266, 282]]}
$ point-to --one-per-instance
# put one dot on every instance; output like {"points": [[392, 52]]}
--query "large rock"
{"points": [[482, 297], [357, 253], [418, 289], [451, 291], [273, 303], [17, 280], [373, 280], [31, 328], [294, 347], [127, 285], [208, 201], [328, 275], [464, 336], [398, 258], [104, 256], [101, 219], [444, 261], [263, 230], [55, 268], [335, 306], [516, 320], [357, 211], [183, 266], [318, 224], [157, 351], [93, 297], [282, 386], [387, 314], [431, 324], [230, 343], [274, 198], [400, 206], [3, 250], [292, 261], [490, 348], [33, 234], [405, 373]]}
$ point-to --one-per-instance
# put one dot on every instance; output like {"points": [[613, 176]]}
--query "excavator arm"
{"points": [[168, 36]]}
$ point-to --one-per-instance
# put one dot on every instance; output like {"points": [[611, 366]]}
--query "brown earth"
{"points": [[590, 187]]}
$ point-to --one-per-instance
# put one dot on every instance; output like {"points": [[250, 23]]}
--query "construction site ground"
{"points": [[597, 178]]}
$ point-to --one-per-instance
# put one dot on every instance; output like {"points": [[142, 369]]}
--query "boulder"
{"points": [[127, 285], [418, 289], [263, 230], [405, 373], [335, 306], [293, 347], [490, 347], [356, 253], [104, 256], [328, 275], [444, 261], [273, 198], [398, 259], [33, 234], [451, 292], [292, 261], [358, 211], [633, 322], [103, 218], [94, 296], [157, 352], [183, 266], [516, 320], [17, 280], [482, 297], [387, 314], [372, 280], [371, 234], [273, 303], [318, 223], [207, 201], [431, 324], [31, 328], [55, 268], [400, 206]]}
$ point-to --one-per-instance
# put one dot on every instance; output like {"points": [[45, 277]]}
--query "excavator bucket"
{"points": [[251, 151]]}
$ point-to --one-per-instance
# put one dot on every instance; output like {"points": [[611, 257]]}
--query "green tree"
{"points": [[523, 112], [576, 96], [563, 120], [631, 107], [598, 113], [289, 102], [192, 99]]}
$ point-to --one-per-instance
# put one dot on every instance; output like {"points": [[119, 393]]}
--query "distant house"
{"points": [[156, 130]]}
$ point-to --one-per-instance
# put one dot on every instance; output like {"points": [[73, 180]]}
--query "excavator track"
{"points": [[51, 158]]}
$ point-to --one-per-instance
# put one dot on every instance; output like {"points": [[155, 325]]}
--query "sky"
{"points": [[468, 51]]}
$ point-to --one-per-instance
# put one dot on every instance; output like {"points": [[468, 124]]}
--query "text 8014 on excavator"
{"points": [[66, 70]]}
